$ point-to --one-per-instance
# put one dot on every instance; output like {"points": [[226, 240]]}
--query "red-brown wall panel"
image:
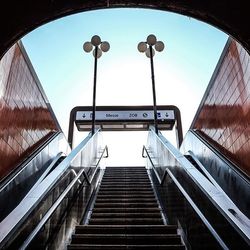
{"points": [[25, 118], [224, 114]]}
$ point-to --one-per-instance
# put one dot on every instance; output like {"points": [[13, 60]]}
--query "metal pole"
{"points": [[94, 92], [153, 88]]}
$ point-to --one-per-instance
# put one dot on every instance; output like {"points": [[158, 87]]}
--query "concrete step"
{"points": [[126, 221], [126, 186], [124, 189], [125, 209], [125, 177], [128, 229], [126, 239], [117, 181], [128, 169], [144, 173], [125, 247], [128, 192], [123, 215], [121, 175], [124, 196], [123, 200], [126, 204]]}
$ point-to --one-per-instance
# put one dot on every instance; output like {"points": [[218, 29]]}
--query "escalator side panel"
{"points": [[58, 229], [15, 189], [214, 207], [225, 174], [47, 209], [213, 215], [178, 210]]}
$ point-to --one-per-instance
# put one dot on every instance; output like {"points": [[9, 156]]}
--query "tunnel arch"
{"points": [[21, 17]]}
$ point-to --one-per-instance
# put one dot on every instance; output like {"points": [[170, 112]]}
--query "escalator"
{"points": [[82, 204], [31, 171]]}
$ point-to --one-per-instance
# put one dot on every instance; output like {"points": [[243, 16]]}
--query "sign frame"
{"points": [[125, 118]]}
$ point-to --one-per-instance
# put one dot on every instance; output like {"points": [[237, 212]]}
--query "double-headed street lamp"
{"points": [[149, 48], [98, 47]]}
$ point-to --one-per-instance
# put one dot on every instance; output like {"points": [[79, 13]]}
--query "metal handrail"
{"points": [[187, 197], [60, 199], [102, 156], [161, 180], [23, 210]]}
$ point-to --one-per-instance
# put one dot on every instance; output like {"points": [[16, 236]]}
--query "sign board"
{"points": [[125, 115], [125, 118]]}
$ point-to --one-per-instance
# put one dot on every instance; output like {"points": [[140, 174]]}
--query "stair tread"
{"points": [[113, 183], [121, 205], [126, 215], [134, 175], [125, 177], [127, 226], [128, 229], [135, 202], [126, 247], [121, 200], [137, 211], [127, 239], [126, 235], [125, 195], [124, 191], [127, 220], [125, 186]]}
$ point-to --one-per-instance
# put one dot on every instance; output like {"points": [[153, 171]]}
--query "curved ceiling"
{"points": [[21, 17]]}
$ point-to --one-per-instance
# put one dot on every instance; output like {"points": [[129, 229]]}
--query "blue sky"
{"points": [[182, 70]]}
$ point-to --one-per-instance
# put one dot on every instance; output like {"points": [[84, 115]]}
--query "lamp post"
{"points": [[149, 48], [98, 47]]}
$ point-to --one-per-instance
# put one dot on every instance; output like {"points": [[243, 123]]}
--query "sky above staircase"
{"points": [[182, 70]]}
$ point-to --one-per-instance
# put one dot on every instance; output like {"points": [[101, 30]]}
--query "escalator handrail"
{"points": [[21, 212], [52, 209], [19, 170], [187, 197], [223, 157], [231, 212], [46, 172], [205, 172]]}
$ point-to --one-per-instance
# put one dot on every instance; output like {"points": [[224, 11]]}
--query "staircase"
{"points": [[126, 215]]}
